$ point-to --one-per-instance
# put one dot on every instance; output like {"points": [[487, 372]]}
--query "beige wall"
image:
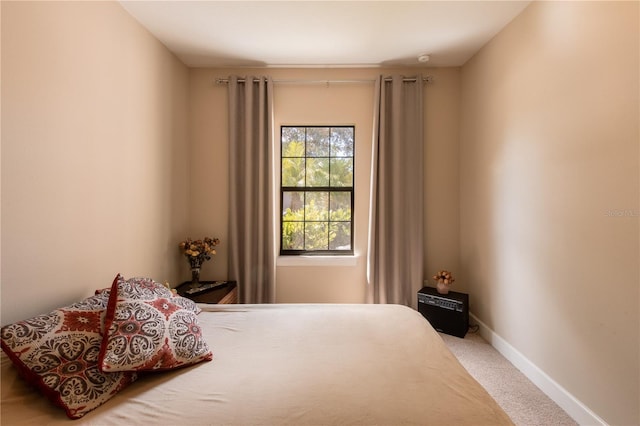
{"points": [[93, 153], [550, 191], [327, 104]]}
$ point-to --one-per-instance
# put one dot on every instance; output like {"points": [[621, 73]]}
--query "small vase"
{"points": [[195, 277], [442, 288]]}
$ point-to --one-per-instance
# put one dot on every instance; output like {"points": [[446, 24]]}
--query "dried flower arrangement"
{"points": [[444, 277], [197, 251]]}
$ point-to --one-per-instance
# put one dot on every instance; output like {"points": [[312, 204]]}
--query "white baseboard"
{"points": [[576, 409]]}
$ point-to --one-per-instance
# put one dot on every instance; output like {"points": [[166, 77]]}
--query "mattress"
{"points": [[306, 364]]}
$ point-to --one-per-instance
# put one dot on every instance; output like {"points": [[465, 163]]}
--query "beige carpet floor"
{"points": [[518, 396]]}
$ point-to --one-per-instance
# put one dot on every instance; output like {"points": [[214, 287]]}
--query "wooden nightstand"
{"points": [[220, 292]]}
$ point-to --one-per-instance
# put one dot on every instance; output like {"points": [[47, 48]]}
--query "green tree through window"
{"points": [[316, 196]]}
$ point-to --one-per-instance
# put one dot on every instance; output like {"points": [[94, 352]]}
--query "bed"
{"points": [[302, 364]]}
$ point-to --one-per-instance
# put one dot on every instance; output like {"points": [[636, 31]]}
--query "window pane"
{"points": [[342, 142], [316, 206], [318, 141], [292, 205], [341, 172], [340, 236], [316, 236], [293, 141], [293, 171], [292, 235], [317, 172], [340, 206], [313, 218]]}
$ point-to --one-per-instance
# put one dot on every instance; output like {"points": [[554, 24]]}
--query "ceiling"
{"points": [[323, 33]]}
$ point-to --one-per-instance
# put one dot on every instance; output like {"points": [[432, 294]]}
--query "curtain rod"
{"points": [[425, 79]]}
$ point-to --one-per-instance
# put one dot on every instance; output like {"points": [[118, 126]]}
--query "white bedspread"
{"points": [[292, 364]]}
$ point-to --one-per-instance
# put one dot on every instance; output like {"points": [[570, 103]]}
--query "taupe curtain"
{"points": [[395, 253], [251, 240]]}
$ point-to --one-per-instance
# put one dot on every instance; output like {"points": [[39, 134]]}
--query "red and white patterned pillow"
{"points": [[58, 353], [186, 304], [148, 328], [142, 288]]}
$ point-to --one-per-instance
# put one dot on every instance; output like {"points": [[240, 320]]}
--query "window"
{"points": [[316, 189]]}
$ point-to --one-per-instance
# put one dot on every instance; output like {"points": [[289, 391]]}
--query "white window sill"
{"points": [[317, 260]]}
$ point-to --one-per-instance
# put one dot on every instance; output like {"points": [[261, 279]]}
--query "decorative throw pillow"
{"points": [[147, 289], [186, 303], [58, 353], [148, 328], [105, 292]]}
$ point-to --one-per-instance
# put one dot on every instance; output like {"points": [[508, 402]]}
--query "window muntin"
{"points": [[316, 193]]}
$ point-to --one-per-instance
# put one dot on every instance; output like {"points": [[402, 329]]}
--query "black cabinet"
{"points": [[447, 313]]}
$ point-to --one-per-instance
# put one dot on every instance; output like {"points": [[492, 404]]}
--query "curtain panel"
{"points": [[395, 252], [251, 194]]}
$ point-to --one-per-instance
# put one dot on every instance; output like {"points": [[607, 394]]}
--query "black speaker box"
{"points": [[447, 313]]}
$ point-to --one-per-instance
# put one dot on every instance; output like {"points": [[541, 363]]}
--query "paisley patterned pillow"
{"points": [[186, 303], [146, 288], [58, 353], [148, 328]]}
